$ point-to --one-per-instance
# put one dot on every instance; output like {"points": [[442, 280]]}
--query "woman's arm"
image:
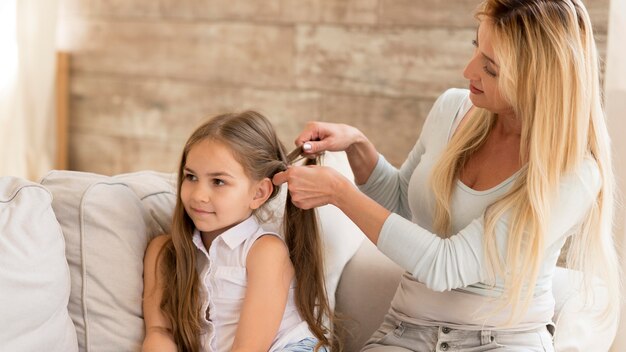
{"points": [[158, 329], [269, 276], [441, 264]]}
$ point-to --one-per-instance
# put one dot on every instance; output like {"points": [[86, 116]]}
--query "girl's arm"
{"points": [[269, 273], [158, 328]]}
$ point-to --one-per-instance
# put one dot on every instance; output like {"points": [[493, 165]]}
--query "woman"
{"points": [[501, 176]]}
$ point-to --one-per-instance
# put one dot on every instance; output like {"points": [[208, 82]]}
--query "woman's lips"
{"points": [[474, 89]]}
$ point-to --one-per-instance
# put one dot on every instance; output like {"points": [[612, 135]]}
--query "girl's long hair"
{"points": [[549, 75], [255, 145]]}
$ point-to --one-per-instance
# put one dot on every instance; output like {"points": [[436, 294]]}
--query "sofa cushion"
{"points": [[107, 223], [364, 294], [34, 275]]}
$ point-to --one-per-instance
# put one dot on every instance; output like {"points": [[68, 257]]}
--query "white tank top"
{"points": [[223, 272]]}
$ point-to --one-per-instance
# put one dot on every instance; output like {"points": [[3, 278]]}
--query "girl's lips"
{"points": [[474, 89], [200, 211]]}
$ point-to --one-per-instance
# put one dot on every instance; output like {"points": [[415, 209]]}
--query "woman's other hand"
{"points": [[323, 136], [312, 186]]}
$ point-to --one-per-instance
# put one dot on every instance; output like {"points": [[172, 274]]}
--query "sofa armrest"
{"points": [[364, 294]]}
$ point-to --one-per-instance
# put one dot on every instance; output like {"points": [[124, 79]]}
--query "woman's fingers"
{"points": [[307, 185], [280, 178]]}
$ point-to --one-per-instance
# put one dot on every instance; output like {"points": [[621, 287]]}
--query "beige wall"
{"points": [[145, 72], [616, 113]]}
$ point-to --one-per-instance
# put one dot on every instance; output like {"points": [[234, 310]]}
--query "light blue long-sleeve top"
{"points": [[445, 283]]}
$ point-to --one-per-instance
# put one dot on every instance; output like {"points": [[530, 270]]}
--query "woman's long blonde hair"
{"points": [[549, 75], [254, 143]]}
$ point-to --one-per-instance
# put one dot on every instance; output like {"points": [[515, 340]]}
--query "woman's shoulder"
{"points": [[449, 102], [445, 110], [587, 176], [453, 97]]}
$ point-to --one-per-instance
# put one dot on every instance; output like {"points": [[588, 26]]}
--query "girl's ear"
{"points": [[263, 191]]}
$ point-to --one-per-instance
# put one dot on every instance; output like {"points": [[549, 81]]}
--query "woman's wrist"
{"points": [[362, 156], [341, 192]]}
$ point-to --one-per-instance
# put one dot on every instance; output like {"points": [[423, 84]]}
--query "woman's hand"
{"points": [[312, 186], [318, 137], [324, 136]]}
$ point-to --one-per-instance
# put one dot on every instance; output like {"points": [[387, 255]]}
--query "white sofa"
{"points": [[72, 247]]}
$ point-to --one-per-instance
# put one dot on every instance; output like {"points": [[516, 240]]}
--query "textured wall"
{"points": [[146, 72]]}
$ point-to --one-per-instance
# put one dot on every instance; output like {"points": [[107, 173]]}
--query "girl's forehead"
{"points": [[213, 153]]}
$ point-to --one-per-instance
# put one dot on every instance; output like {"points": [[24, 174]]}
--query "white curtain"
{"points": [[27, 73], [615, 93]]}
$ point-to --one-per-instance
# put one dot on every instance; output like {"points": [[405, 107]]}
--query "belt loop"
{"points": [[399, 330], [485, 337]]}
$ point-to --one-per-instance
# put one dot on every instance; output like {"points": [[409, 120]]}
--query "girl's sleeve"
{"points": [[458, 261]]}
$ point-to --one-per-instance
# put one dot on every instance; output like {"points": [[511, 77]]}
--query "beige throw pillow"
{"points": [[107, 223]]}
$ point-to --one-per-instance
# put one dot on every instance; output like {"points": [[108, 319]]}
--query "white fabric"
{"points": [[458, 263], [107, 223], [27, 72], [34, 275], [223, 272]]}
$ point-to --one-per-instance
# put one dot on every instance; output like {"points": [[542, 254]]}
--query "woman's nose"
{"points": [[470, 72]]}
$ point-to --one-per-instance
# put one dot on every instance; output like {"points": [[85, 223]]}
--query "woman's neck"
{"points": [[508, 125]]}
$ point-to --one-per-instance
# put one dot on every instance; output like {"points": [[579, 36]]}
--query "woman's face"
{"points": [[482, 72]]}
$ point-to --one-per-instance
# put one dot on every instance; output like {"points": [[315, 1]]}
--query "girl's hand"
{"points": [[323, 136], [312, 186]]}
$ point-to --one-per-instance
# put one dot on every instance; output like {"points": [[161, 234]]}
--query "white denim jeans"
{"points": [[397, 336]]}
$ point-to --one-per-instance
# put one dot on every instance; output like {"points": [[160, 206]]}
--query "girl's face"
{"points": [[216, 191], [482, 72]]}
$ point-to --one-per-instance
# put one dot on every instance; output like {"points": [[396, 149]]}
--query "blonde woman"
{"points": [[501, 176]]}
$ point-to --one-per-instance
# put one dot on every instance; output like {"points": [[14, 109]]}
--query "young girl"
{"points": [[219, 282]]}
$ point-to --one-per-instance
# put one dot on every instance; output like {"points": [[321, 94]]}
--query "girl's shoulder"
{"points": [[268, 248], [155, 246]]}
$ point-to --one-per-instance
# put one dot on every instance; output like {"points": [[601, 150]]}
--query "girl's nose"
{"points": [[202, 194]]}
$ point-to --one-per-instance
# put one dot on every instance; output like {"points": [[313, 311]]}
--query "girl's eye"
{"points": [[218, 182], [474, 43], [190, 177], [489, 72]]}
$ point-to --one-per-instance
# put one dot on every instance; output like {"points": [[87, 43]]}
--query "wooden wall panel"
{"points": [[390, 61], [145, 72]]}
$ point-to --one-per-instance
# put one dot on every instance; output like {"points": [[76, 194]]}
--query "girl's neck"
{"points": [[210, 236]]}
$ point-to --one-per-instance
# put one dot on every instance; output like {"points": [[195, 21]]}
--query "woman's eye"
{"points": [[218, 182], [190, 177], [489, 72], [475, 43]]}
